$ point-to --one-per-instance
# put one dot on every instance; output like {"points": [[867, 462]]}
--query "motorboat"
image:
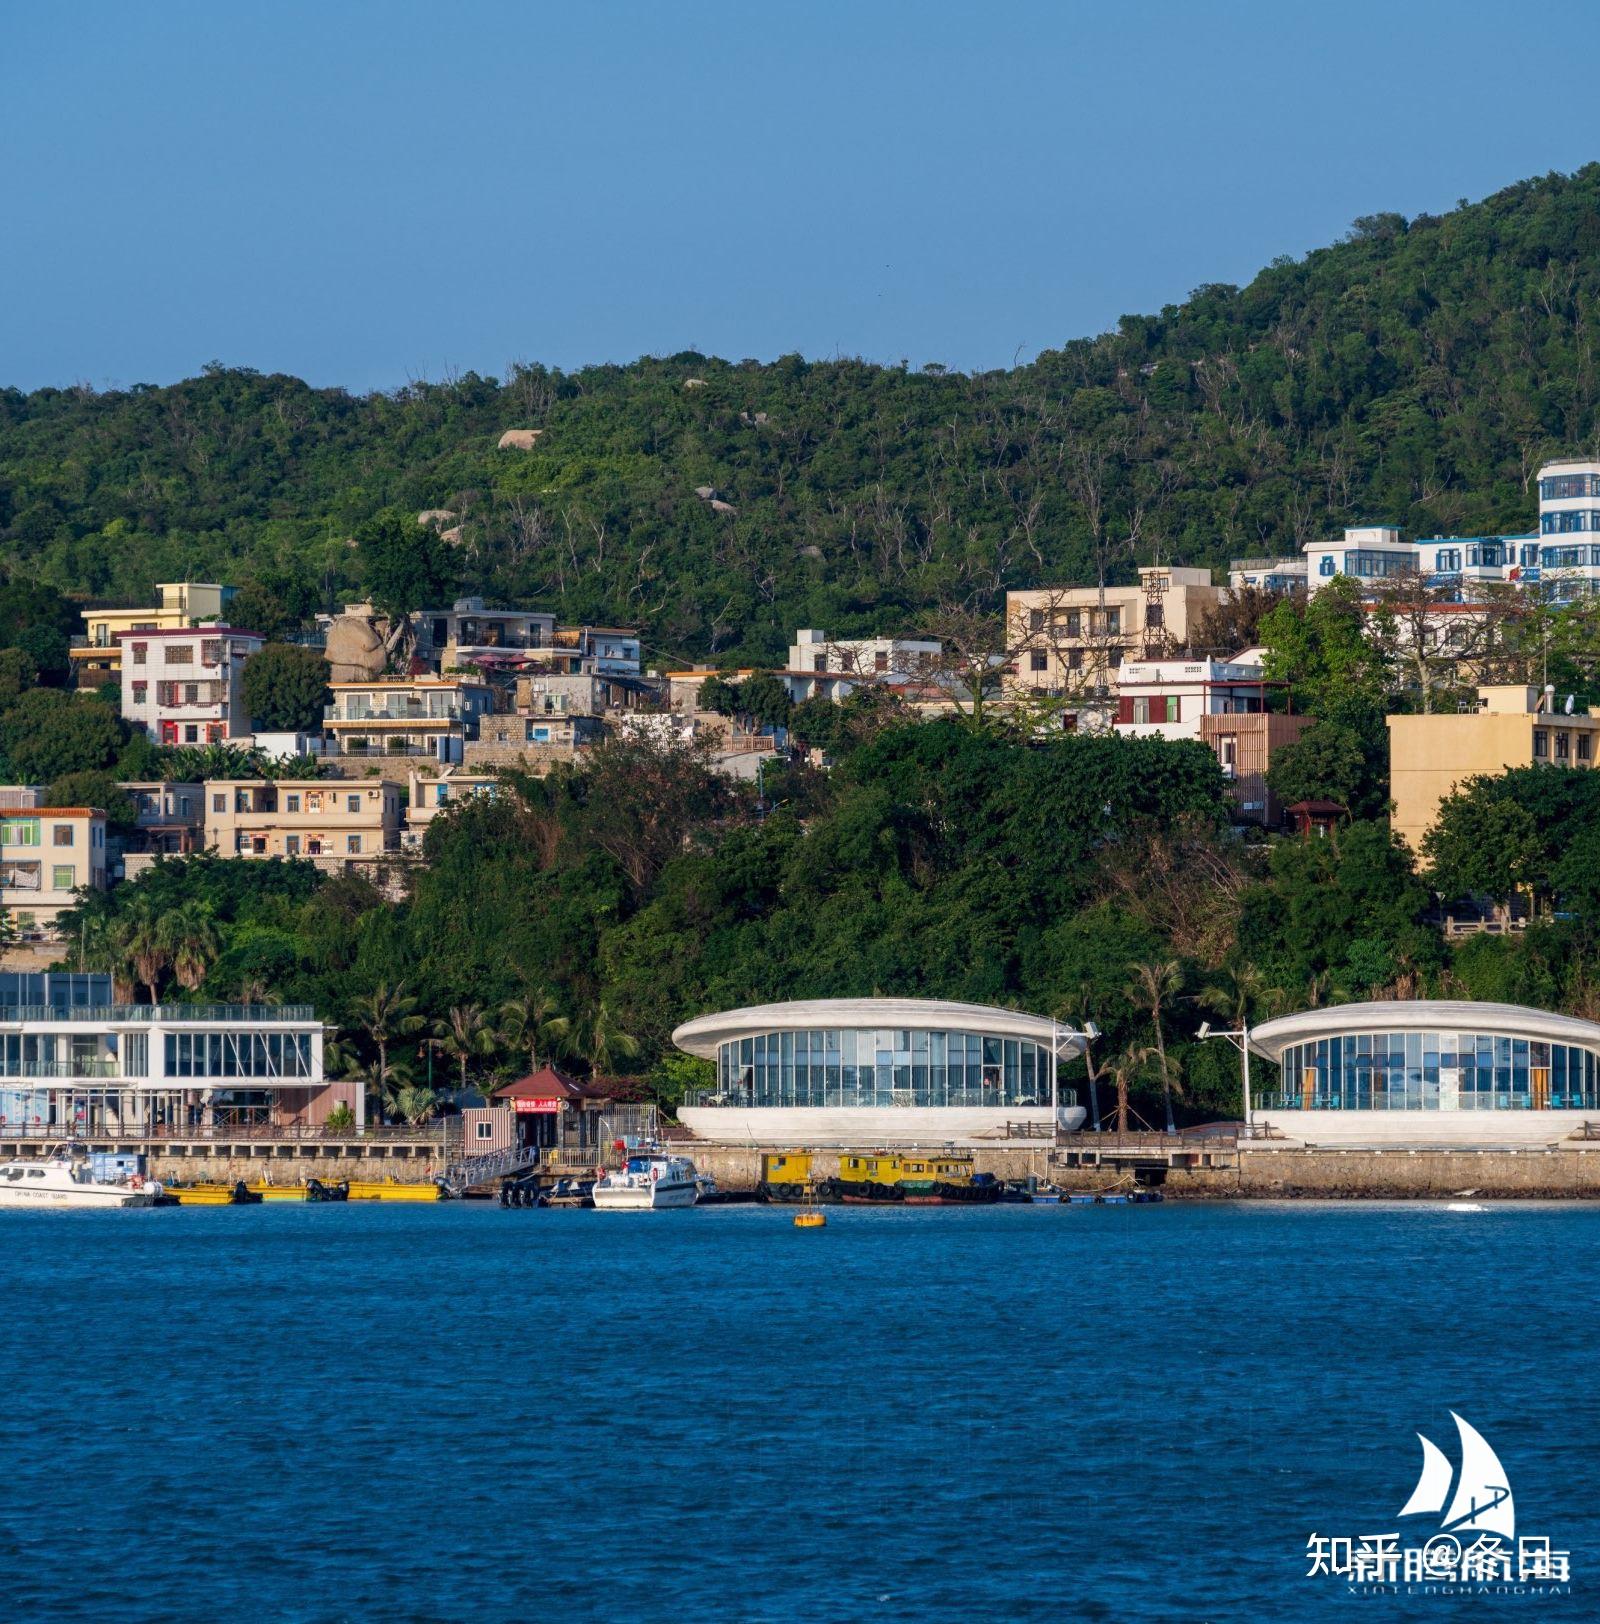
{"points": [[649, 1179], [67, 1177]]}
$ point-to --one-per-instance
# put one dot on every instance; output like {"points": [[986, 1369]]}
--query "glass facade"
{"points": [[871, 1066], [1436, 1071]]}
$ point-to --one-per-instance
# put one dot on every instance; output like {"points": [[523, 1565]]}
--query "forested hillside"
{"points": [[1415, 372]]}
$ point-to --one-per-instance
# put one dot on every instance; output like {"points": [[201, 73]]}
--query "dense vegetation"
{"points": [[1415, 372]]}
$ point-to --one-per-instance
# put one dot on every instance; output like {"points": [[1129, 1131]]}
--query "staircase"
{"points": [[472, 1171]]}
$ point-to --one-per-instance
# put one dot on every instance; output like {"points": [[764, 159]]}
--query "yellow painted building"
{"points": [[97, 656], [1511, 727]]}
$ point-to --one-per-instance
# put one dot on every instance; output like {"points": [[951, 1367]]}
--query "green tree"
{"points": [[286, 688], [466, 1033], [189, 935], [19, 671], [1326, 763], [98, 789], [47, 734], [405, 566], [1154, 985], [529, 1020], [388, 1014]]}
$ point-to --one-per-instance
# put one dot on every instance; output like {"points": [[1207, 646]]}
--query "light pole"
{"points": [[1241, 1041]]}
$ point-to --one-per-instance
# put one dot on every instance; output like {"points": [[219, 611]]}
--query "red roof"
{"points": [[549, 1084]]}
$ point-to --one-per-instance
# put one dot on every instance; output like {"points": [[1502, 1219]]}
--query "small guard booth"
{"points": [[549, 1111]]}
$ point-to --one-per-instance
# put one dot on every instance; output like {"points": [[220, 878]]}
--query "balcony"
{"points": [[352, 715], [124, 1014]]}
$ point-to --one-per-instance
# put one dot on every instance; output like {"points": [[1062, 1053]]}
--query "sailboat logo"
{"points": [[1481, 1502]]}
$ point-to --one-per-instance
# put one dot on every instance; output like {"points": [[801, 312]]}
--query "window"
{"points": [[1325, 567], [352, 803], [1172, 707], [292, 803], [880, 660], [1141, 710], [179, 654], [485, 1130], [141, 692], [1113, 622], [219, 803], [291, 845], [1541, 744], [1559, 487], [1372, 565], [1036, 620], [62, 878], [211, 652], [1562, 558], [139, 650], [1074, 659], [819, 662], [1447, 559], [191, 733], [1530, 555], [1585, 746], [1038, 661], [22, 833], [65, 834], [1563, 747], [352, 843], [1074, 623], [1563, 524], [191, 693]]}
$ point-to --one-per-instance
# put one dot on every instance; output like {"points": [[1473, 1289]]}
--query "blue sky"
{"points": [[363, 193]]}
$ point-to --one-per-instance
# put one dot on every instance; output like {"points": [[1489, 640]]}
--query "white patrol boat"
{"points": [[649, 1179], [65, 1178]]}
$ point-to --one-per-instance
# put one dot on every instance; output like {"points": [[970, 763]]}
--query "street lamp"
{"points": [[1241, 1041]]}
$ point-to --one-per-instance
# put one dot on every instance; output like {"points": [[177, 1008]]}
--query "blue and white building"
{"points": [[878, 1071], [1560, 558], [1419, 1072]]}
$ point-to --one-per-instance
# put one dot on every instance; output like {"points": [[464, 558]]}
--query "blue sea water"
{"points": [[455, 1411]]}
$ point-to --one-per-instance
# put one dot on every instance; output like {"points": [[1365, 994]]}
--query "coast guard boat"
{"points": [[651, 1179], [66, 1178]]}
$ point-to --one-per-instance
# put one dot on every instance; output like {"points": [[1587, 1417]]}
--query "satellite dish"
{"points": [[1567, 708]]}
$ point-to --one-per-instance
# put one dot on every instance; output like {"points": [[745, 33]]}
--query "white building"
{"points": [[877, 1071], [1282, 575], [1561, 558], [184, 686], [881, 657], [1168, 698], [1423, 1072], [74, 1063]]}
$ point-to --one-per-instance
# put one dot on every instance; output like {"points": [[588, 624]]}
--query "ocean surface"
{"points": [[461, 1412]]}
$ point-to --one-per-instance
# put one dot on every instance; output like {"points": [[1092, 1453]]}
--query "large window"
{"points": [[1437, 1071], [238, 1054], [882, 1067], [1561, 524], [1561, 487]]}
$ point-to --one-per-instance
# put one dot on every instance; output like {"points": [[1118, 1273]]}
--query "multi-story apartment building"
{"points": [[340, 820], [1560, 558], [430, 796], [170, 820], [883, 658], [97, 655], [584, 693], [1285, 576], [75, 1062], [186, 686], [47, 856], [432, 717], [607, 651], [1069, 641], [466, 633], [533, 741], [1220, 704], [1511, 726]]}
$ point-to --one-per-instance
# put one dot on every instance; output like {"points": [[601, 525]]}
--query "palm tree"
{"points": [[1122, 1068], [191, 941], [1155, 983], [416, 1102], [529, 1019], [386, 1014], [1236, 990], [466, 1033], [139, 940], [602, 1042]]}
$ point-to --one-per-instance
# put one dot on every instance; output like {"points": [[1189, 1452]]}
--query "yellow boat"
{"points": [[393, 1190], [278, 1192], [212, 1195]]}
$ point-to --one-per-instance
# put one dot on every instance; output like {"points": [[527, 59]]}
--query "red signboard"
{"points": [[525, 1106]]}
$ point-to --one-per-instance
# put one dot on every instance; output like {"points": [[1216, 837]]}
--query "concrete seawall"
{"points": [[1261, 1174]]}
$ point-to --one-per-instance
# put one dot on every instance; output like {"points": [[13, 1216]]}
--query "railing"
{"points": [[431, 1134], [450, 712], [72, 1069], [493, 1164], [121, 1014], [352, 750]]}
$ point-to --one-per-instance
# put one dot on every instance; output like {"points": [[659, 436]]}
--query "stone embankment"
{"points": [[1260, 1174]]}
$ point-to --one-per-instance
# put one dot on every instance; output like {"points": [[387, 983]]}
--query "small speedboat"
{"points": [[66, 1178], [649, 1180]]}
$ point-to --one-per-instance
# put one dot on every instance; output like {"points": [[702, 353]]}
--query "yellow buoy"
{"points": [[809, 1220]]}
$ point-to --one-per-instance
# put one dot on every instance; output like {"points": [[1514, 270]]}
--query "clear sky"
{"points": [[363, 192]]}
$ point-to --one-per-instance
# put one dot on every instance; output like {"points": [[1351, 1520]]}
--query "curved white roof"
{"points": [[1271, 1038], [702, 1035]]}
